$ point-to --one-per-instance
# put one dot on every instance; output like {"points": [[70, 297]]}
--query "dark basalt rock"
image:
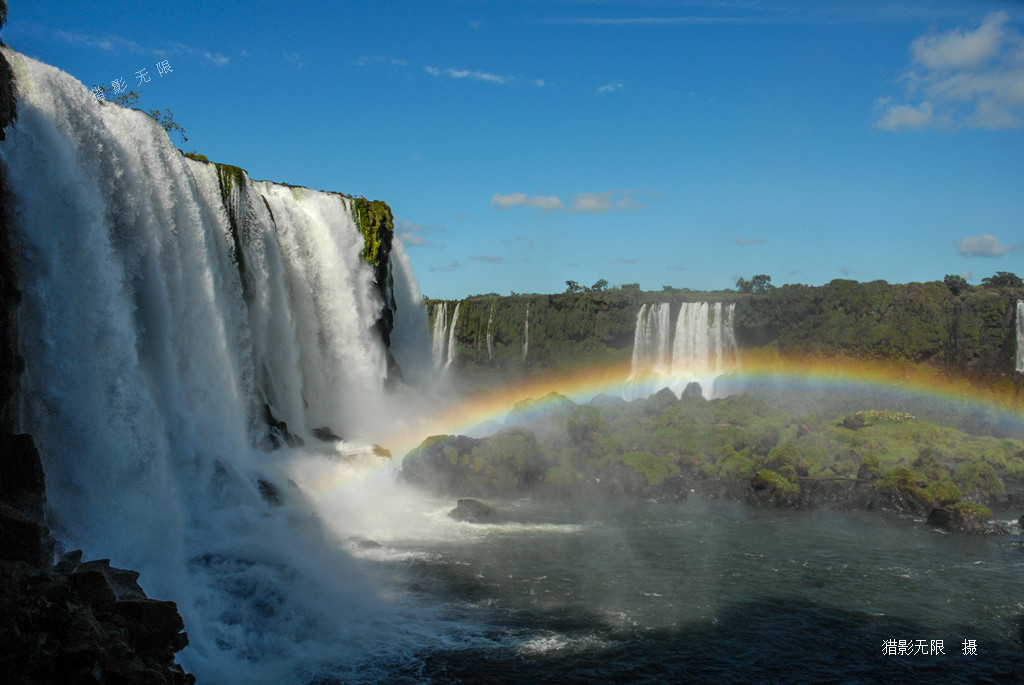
{"points": [[953, 521], [898, 501], [270, 493], [768, 489], [326, 434], [472, 511]]}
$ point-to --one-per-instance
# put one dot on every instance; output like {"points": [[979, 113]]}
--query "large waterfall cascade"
{"points": [[1020, 336], [168, 307], [701, 348]]}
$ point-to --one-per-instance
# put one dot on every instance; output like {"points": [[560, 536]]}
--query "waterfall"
{"points": [[526, 332], [703, 347], [490, 333], [452, 346], [439, 336], [177, 319], [651, 340], [1020, 336]]}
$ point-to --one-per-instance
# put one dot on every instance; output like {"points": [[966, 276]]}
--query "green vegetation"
{"points": [[973, 510], [776, 481], [948, 325], [196, 156], [757, 284], [663, 445], [377, 225]]}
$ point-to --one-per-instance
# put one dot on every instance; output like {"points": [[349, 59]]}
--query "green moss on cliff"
{"points": [[376, 223], [229, 176]]}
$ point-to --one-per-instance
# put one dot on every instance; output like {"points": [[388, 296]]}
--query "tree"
{"points": [[599, 286], [1003, 279], [572, 287], [130, 99], [956, 284], [757, 284]]}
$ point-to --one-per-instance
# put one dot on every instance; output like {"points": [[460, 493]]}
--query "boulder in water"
{"points": [[472, 511], [963, 520]]}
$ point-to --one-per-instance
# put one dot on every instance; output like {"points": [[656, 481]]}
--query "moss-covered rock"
{"points": [[966, 517], [770, 489]]}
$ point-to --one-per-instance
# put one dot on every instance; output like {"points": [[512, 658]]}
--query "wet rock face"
{"points": [[472, 510], [953, 521], [73, 621]]}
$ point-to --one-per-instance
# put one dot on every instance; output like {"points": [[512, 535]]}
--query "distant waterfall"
{"points": [[526, 336], [490, 333], [451, 337], [704, 342], [651, 341], [702, 348], [439, 334], [1020, 336]]}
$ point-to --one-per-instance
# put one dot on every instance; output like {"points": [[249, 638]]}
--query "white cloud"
{"points": [[986, 245], [416, 235], [958, 49], [898, 117], [591, 203], [294, 58], [962, 78], [523, 200], [468, 73], [599, 203], [610, 88]]}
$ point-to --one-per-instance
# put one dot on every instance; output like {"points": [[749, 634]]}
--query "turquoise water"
{"points": [[714, 591]]}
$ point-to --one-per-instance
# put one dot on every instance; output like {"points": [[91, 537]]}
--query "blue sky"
{"points": [[682, 143]]}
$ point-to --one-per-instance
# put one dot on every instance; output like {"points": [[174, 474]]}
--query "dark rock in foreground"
{"points": [[955, 521], [472, 511], [74, 622]]}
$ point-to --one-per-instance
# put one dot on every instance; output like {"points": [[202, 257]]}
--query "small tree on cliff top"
{"points": [[757, 284]]}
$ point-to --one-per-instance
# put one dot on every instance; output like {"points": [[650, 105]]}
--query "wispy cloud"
{"points": [[600, 203], [416, 235], [368, 61], [468, 74], [742, 242], [489, 258], [519, 240], [450, 266], [591, 203], [985, 245], [962, 78], [522, 200], [117, 44], [610, 88], [294, 59]]}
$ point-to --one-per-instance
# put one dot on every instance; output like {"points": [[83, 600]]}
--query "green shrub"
{"points": [[1014, 470], [973, 510], [737, 466], [978, 481], [944, 493], [776, 481], [656, 470]]}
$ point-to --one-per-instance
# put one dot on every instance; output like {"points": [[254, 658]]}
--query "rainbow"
{"points": [[1001, 402]]}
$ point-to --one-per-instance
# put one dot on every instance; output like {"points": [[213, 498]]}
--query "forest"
{"points": [[949, 324]]}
